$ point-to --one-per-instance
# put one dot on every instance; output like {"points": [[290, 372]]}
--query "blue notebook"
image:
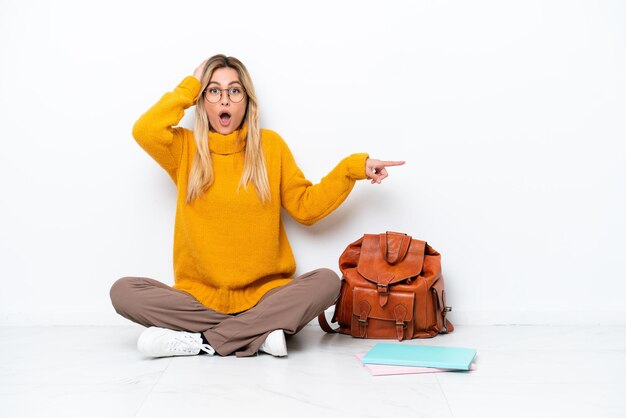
{"points": [[456, 358]]}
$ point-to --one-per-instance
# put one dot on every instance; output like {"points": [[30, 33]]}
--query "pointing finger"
{"points": [[391, 163]]}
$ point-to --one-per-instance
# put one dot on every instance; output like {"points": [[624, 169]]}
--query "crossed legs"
{"points": [[290, 307]]}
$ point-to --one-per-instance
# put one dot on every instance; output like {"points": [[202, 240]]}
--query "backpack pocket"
{"points": [[370, 320]]}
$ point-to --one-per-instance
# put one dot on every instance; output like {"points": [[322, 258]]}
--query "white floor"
{"points": [[522, 371]]}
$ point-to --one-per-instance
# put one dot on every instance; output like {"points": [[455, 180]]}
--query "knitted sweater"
{"points": [[229, 248]]}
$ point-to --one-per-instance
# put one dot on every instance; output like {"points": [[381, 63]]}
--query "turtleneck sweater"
{"points": [[230, 248]]}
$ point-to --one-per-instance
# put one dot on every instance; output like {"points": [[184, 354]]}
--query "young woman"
{"points": [[233, 266]]}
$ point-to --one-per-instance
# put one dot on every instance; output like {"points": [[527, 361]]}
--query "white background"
{"points": [[510, 116]]}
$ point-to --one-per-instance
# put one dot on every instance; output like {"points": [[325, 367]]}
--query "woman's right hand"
{"points": [[198, 71]]}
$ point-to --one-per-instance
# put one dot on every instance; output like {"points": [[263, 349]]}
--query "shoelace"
{"points": [[189, 344], [207, 349]]}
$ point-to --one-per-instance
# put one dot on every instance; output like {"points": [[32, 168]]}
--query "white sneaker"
{"points": [[163, 342], [275, 344]]}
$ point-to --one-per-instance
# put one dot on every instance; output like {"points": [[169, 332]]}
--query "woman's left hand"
{"points": [[376, 171]]}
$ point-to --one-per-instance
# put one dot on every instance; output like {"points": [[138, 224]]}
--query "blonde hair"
{"points": [[254, 171]]}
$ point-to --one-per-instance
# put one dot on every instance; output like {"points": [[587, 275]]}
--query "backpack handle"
{"points": [[394, 246]]}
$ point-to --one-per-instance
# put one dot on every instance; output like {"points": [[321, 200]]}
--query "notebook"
{"points": [[384, 370], [456, 358]]}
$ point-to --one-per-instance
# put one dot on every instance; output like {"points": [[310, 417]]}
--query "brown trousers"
{"points": [[289, 307]]}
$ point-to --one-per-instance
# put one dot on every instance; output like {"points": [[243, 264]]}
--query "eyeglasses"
{"points": [[214, 95]]}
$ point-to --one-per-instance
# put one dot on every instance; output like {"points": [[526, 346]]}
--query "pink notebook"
{"points": [[382, 370]]}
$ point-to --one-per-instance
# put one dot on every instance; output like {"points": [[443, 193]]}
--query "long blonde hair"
{"points": [[254, 171]]}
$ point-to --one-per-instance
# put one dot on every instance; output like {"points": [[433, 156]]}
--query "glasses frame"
{"points": [[206, 97]]}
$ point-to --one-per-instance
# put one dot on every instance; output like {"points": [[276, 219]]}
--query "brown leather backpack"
{"points": [[392, 287]]}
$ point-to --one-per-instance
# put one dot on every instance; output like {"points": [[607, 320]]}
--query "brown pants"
{"points": [[289, 307]]}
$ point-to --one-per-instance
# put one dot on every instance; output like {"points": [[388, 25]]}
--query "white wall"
{"points": [[510, 116]]}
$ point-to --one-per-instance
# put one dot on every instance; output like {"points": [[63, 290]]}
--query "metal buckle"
{"points": [[383, 286]]}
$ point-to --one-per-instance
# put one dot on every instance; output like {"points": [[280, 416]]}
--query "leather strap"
{"points": [[394, 246], [321, 318], [400, 312], [382, 287], [364, 311]]}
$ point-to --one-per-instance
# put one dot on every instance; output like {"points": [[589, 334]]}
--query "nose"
{"points": [[224, 98]]}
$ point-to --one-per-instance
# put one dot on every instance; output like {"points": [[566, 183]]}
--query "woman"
{"points": [[233, 265]]}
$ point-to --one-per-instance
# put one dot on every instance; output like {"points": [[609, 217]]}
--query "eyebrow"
{"points": [[230, 84]]}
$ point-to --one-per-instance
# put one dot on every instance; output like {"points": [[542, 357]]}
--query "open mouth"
{"points": [[224, 118]]}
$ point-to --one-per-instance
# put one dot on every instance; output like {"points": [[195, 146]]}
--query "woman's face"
{"points": [[225, 116]]}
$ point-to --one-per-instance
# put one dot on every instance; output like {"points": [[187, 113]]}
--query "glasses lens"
{"points": [[213, 95], [235, 94]]}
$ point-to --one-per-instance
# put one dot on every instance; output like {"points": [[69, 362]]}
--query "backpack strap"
{"points": [[321, 318]]}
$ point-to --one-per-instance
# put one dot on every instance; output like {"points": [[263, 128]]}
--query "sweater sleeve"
{"points": [[155, 131], [307, 203]]}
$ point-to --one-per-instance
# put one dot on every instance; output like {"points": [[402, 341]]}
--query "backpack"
{"points": [[392, 287]]}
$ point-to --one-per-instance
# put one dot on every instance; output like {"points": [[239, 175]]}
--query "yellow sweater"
{"points": [[229, 249]]}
